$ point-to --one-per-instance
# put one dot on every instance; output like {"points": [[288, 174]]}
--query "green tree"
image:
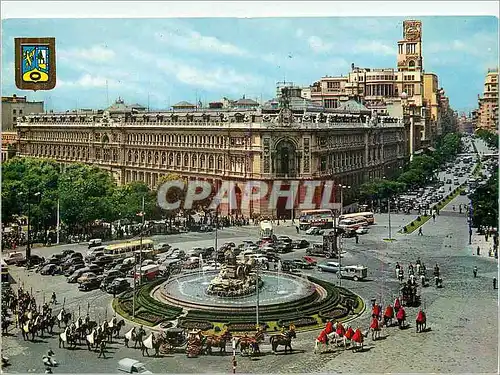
{"points": [[485, 203], [86, 195], [127, 201]]}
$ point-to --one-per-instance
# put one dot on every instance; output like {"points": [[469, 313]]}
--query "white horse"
{"points": [[332, 337], [359, 345], [376, 332]]}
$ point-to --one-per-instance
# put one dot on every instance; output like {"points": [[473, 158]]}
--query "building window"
{"points": [[330, 103], [14, 119], [20, 111], [14, 111]]}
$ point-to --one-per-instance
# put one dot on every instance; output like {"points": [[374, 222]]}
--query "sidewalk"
{"points": [[484, 246]]}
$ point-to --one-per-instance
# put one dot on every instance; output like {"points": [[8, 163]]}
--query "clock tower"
{"points": [[410, 48]]}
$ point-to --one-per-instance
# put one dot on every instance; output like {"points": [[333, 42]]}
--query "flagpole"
{"points": [[140, 246]]}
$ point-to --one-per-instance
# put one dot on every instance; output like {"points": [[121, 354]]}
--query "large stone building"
{"points": [[488, 103], [9, 145], [17, 106], [297, 140], [379, 89]]}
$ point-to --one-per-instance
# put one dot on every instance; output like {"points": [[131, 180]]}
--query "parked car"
{"points": [[14, 257], [50, 269], [118, 286], [329, 267], [316, 249], [300, 244], [310, 260], [103, 260], [89, 284], [86, 276], [73, 268], [32, 261], [76, 275], [95, 268], [114, 274], [67, 252], [313, 231]]}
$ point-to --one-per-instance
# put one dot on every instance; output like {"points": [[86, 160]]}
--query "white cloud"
{"points": [[480, 45], [318, 45], [88, 81], [194, 41], [97, 53], [299, 33], [374, 47]]}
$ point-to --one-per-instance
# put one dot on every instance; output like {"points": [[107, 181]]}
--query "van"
{"points": [[14, 257], [355, 273]]}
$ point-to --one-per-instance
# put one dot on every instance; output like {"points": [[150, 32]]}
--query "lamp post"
{"points": [[28, 240], [342, 187]]}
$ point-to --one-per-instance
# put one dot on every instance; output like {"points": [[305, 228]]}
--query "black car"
{"points": [[103, 260], [76, 274], [285, 239], [71, 262], [300, 244], [97, 269], [65, 253], [32, 261], [91, 284], [71, 270], [283, 248], [50, 269], [56, 259], [118, 286], [106, 281]]}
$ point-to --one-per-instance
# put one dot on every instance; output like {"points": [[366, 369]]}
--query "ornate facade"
{"points": [[216, 145]]}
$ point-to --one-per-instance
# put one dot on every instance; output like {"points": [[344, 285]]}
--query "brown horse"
{"points": [[218, 342], [284, 339]]}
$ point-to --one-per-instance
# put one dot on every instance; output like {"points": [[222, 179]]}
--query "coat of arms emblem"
{"points": [[35, 63]]}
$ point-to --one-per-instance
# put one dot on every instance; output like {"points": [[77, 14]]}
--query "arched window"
{"points": [[186, 160], [193, 161], [178, 160], [202, 161], [129, 157], [211, 162]]}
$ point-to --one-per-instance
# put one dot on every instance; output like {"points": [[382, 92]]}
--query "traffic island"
{"points": [[310, 312]]}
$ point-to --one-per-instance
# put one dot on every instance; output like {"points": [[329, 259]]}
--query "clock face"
{"points": [[412, 32]]}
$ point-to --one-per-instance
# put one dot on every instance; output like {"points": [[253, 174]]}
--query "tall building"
{"points": [[431, 102], [488, 103], [296, 140], [380, 88], [9, 142], [17, 106]]}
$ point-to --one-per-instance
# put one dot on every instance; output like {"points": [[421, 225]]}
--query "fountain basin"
{"points": [[189, 290]]}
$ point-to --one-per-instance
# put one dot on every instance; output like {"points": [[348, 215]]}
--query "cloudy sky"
{"points": [[204, 59]]}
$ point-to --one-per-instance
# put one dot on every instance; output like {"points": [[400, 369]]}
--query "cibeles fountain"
{"points": [[236, 278], [234, 287]]}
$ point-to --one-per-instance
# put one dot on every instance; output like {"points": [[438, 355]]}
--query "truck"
{"points": [[266, 229]]}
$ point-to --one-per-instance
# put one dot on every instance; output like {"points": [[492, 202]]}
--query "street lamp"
{"points": [[342, 187], [28, 241]]}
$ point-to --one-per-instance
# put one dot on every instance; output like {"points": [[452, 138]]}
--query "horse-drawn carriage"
{"points": [[173, 338], [409, 295]]}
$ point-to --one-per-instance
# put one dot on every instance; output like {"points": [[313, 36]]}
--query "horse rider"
{"points": [[54, 299], [421, 317], [397, 305], [376, 311], [401, 316], [401, 274], [410, 269], [436, 270], [388, 314], [142, 331], [102, 348], [323, 337], [329, 327]]}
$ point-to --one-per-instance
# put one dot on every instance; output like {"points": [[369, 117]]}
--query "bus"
{"points": [[5, 271], [316, 218], [266, 229], [367, 215], [127, 249]]}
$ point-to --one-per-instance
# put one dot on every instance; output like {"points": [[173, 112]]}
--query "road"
{"points": [[462, 316]]}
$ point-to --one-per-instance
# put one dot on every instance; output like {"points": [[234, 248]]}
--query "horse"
{"points": [[117, 328], [375, 329], [284, 339], [137, 337], [325, 340], [5, 325], [248, 346], [68, 337], [64, 317], [153, 342], [218, 342]]}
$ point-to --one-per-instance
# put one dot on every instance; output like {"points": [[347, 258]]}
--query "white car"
{"points": [[362, 230], [313, 231]]}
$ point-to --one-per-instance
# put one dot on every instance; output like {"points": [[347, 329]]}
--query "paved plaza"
{"points": [[462, 316]]}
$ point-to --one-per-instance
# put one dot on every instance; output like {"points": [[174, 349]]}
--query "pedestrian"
{"points": [[420, 232], [475, 271], [434, 217], [54, 299], [102, 348], [478, 250], [126, 341], [297, 227], [494, 283], [357, 238]]}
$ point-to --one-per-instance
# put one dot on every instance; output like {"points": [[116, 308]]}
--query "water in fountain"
{"points": [[202, 271], [279, 285]]}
